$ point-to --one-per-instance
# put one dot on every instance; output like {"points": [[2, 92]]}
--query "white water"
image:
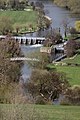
{"points": [[36, 46]]}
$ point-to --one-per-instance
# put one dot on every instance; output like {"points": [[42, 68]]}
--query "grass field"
{"points": [[72, 73], [75, 59], [39, 112], [21, 18]]}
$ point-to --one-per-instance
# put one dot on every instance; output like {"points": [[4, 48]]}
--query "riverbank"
{"points": [[73, 5]]}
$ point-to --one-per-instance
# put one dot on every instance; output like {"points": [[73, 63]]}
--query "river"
{"points": [[58, 15], [26, 50]]}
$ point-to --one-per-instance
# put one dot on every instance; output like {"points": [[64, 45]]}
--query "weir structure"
{"points": [[27, 40]]}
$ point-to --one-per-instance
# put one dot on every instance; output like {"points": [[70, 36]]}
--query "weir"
{"points": [[27, 40], [30, 40]]}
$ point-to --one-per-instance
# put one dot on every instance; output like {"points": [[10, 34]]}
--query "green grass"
{"points": [[39, 112], [21, 18], [72, 73], [61, 112]]}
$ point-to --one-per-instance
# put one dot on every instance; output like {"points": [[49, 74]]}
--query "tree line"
{"points": [[73, 5], [9, 71], [13, 4]]}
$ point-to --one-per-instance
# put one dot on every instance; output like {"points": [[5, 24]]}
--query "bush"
{"points": [[40, 100], [72, 96]]}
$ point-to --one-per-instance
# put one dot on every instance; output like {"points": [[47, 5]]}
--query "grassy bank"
{"points": [[39, 112], [75, 59], [72, 72], [21, 19]]}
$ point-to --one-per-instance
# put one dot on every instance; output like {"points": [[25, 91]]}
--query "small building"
{"points": [[48, 50]]}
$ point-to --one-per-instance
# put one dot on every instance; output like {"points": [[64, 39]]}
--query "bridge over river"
{"points": [[27, 40]]}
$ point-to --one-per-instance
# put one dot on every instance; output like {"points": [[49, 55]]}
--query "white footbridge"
{"points": [[23, 59]]}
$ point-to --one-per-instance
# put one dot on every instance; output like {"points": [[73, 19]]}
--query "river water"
{"points": [[26, 50], [58, 15]]}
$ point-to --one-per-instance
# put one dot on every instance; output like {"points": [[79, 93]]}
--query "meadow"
{"points": [[72, 72], [21, 19], [39, 112]]}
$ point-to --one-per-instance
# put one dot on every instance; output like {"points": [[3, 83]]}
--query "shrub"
{"points": [[40, 100], [72, 96]]}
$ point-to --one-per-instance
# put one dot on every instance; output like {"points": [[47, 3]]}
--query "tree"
{"points": [[41, 20], [62, 3], [46, 84], [70, 48], [21, 5], [3, 4], [9, 48], [72, 31], [18, 4], [53, 37], [73, 5], [14, 4], [9, 71], [65, 24], [72, 96], [77, 25], [6, 27], [39, 5]]}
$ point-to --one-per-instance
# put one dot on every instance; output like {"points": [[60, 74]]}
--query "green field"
{"points": [[72, 73], [39, 112], [21, 19], [75, 59]]}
